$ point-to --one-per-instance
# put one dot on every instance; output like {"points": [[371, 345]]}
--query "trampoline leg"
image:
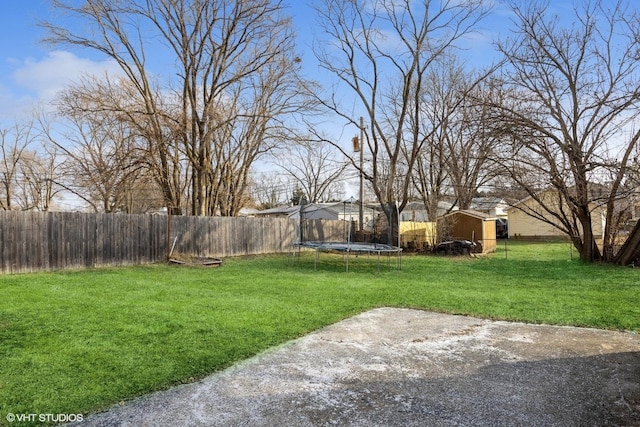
{"points": [[347, 260], [315, 262], [293, 254]]}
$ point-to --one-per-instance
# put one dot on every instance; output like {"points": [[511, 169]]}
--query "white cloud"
{"points": [[37, 80], [57, 70]]}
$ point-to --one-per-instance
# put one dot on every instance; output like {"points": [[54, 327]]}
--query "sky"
{"points": [[33, 72]]}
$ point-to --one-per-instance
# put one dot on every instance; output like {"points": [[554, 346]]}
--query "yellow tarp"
{"points": [[420, 233]]}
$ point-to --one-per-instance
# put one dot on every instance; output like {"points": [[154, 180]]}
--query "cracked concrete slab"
{"points": [[402, 367]]}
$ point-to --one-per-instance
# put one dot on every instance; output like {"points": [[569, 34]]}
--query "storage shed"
{"points": [[469, 225]]}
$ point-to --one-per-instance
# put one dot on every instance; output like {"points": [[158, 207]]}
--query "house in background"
{"points": [[248, 212], [494, 207], [351, 212], [416, 212], [308, 211], [345, 211], [524, 224]]}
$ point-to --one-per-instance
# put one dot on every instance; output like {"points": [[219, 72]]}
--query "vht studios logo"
{"points": [[44, 418]]}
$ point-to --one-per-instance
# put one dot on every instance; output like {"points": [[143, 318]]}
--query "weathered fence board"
{"points": [[38, 241]]}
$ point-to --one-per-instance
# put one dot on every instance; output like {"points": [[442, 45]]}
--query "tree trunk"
{"points": [[589, 251], [390, 210], [629, 253]]}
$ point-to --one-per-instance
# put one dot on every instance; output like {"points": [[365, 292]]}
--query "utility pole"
{"points": [[361, 213]]}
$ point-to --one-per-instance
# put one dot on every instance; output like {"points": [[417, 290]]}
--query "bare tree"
{"points": [[102, 159], [381, 51], [40, 171], [254, 121], [157, 139], [454, 159], [28, 170], [14, 145], [314, 168], [470, 144], [430, 177], [226, 53], [114, 29], [569, 98], [142, 195], [269, 190]]}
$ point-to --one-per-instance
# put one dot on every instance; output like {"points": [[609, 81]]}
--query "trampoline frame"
{"points": [[347, 248]]}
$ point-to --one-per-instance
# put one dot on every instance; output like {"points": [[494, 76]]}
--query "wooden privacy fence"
{"points": [[38, 241]]}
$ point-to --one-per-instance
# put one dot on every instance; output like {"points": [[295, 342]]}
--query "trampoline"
{"points": [[347, 248]]}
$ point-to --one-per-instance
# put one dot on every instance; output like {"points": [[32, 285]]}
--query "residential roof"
{"points": [[419, 205], [279, 210], [248, 211], [335, 207], [486, 203]]}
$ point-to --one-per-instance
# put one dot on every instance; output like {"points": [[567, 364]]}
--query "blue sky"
{"points": [[32, 72], [18, 37], [21, 73]]}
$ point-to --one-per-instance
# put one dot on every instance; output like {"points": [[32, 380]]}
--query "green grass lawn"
{"points": [[80, 341]]}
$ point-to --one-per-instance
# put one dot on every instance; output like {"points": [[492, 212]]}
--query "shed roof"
{"points": [[469, 212]]}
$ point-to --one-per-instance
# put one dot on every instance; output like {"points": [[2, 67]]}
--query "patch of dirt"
{"points": [[195, 261]]}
